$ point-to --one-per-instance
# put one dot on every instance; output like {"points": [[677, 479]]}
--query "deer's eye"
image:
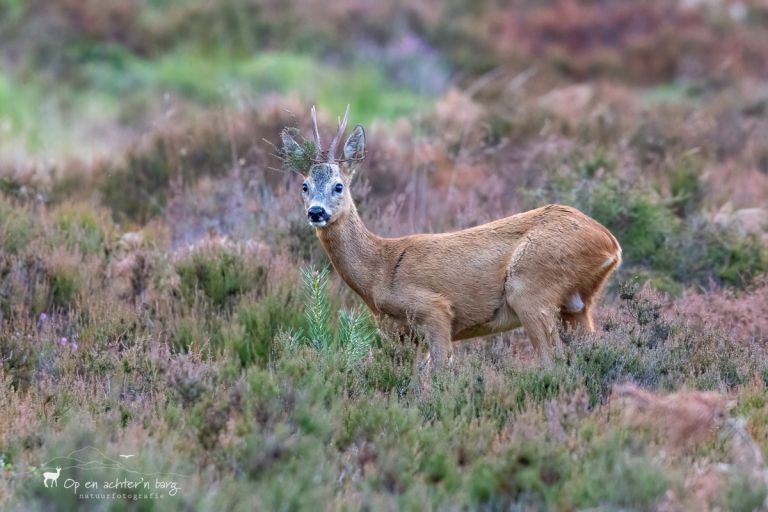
{"points": [[339, 188], [305, 187]]}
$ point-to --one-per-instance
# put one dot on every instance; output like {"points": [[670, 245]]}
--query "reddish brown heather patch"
{"points": [[457, 113], [642, 41], [701, 490], [684, 418], [19, 414], [740, 185], [739, 314]]}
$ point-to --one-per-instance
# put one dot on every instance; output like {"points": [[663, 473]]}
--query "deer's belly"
{"points": [[503, 319]]}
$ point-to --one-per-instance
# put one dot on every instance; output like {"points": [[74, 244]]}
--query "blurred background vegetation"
{"points": [[151, 292]]}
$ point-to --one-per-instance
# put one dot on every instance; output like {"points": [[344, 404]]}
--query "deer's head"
{"points": [[326, 178]]}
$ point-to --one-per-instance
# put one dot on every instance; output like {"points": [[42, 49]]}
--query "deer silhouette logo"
{"points": [[54, 477]]}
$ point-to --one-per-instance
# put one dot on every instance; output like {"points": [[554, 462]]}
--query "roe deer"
{"points": [[533, 269]]}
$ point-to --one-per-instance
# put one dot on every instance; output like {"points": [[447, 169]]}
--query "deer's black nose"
{"points": [[317, 214]]}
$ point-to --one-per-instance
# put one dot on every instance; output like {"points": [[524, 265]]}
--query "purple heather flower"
{"points": [[63, 340], [74, 345], [42, 318]]}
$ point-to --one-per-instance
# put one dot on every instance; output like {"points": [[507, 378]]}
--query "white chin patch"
{"points": [[318, 224]]}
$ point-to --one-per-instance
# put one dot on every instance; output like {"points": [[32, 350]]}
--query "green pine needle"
{"points": [[356, 335], [317, 307]]}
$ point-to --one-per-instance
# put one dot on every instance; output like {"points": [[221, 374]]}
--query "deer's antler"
{"points": [[337, 137], [318, 145]]}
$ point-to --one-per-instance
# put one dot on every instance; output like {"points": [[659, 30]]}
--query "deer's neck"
{"points": [[355, 252]]}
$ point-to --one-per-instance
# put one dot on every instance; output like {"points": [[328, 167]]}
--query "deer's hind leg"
{"points": [[540, 289], [537, 306], [581, 321], [536, 313], [577, 314]]}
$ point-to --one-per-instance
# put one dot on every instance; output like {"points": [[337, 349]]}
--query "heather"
{"points": [[162, 295]]}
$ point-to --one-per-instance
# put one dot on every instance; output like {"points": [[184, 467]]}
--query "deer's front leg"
{"points": [[428, 313], [438, 336], [434, 316]]}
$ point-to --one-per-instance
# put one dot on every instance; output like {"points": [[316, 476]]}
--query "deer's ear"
{"points": [[354, 148]]}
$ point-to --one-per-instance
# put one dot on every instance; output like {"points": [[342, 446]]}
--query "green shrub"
{"points": [[438, 467], [459, 397], [600, 365], [219, 275], [63, 280], [642, 226], [80, 227], [536, 385], [187, 387], [588, 166], [526, 474], [709, 360], [392, 367], [19, 356], [187, 333], [481, 482], [751, 400], [611, 475], [366, 420], [209, 417], [138, 188], [136, 191], [64, 285], [17, 226], [745, 493], [731, 258], [260, 322], [685, 183], [262, 396]]}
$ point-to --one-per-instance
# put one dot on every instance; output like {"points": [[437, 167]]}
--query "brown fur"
{"points": [[515, 271]]}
